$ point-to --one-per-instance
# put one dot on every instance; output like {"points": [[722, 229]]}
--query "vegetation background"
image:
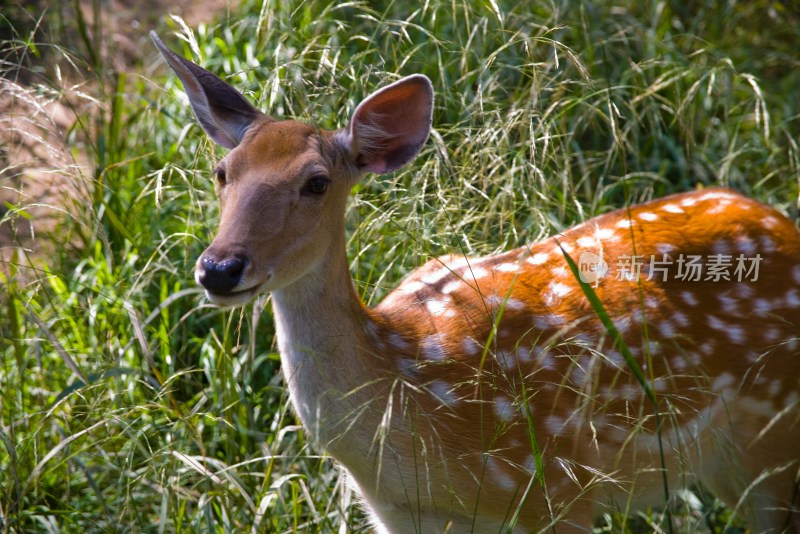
{"points": [[130, 404]]}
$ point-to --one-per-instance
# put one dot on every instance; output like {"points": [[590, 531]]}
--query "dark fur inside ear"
{"points": [[223, 112]]}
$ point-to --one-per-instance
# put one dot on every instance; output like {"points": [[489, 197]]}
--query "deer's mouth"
{"points": [[234, 298]]}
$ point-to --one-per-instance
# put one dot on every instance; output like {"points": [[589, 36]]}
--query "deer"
{"points": [[489, 394]]}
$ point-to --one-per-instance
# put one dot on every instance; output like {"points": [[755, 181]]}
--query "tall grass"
{"points": [[130, 404]]}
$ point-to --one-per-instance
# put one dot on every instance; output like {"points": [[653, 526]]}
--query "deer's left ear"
{"points": [[223, 112], [390, 126]]}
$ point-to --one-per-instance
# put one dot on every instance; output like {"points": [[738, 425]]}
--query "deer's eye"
{"points": [[222, 179], [316, 185]]}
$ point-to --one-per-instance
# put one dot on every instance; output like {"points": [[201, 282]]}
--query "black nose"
{"points": [[221, 276]]}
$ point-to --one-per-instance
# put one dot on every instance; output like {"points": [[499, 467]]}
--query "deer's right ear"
{"points": [[223, 112]]}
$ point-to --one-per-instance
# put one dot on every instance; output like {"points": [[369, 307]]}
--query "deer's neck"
{"points": [[330, 370]]}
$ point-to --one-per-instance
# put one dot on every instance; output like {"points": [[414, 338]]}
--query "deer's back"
{"points": [[505, 355]]}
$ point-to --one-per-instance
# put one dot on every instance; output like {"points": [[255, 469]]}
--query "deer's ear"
{"points": [[223, 112], [390, 126]]}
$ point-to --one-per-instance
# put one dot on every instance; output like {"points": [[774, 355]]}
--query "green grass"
{"points": [[129, 404]]}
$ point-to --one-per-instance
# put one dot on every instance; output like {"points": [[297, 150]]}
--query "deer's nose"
{"points": [[220, 276]]}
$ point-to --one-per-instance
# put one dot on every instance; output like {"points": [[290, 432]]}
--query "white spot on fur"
{"points": [[437, 307], [560, 290], [648, 216], [498, 302], [550, 320], [752, 356], [689, 298], [449, 287], [566, 247], [720, 207], [411, 287], [587, 242], [744, 291], [736, 334], [672, 208], [772, 334], [433, 348], [544, 358], [769, 222], [436, 276], [579, 376], [460, 262], [515, 304], [444, 392], [407, 366], [706, 349], [470, 347], [554, 424], [496, 474], [530, 464], [689, 201], [774, 388], [729, 305], [538, 258], [506, 359], [716, 323], [504, 409], [723, 381], [623, 324], [721, 246], [629, 392], [614, 357], [665, 248], [475, 273], [605, 233], [666, 328], [398, 342], [623, 223], [556, 292], [792, 299], [718, 195], [661, 384], [524, 354], [752, 405], [507, 268], [680, 318], [762, 307], [796, 274], [767, 244], [746, 246]]}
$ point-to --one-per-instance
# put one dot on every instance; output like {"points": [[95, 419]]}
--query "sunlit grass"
{"points": [[131, 404]]}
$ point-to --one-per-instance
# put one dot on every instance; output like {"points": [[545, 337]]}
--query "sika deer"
{"points": [[485, 393]]}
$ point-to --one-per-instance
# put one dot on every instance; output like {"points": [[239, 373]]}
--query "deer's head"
{"points": [[283, 186]]}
